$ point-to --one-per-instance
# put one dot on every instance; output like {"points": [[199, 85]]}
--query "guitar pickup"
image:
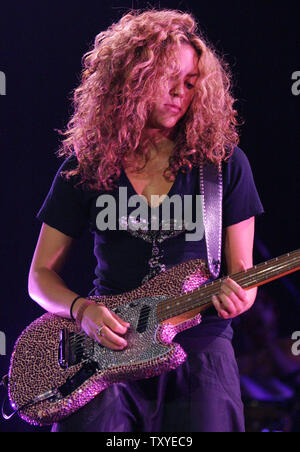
{"points": [[143, 319]]}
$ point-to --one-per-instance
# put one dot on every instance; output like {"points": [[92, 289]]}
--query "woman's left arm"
{"points": [[233, 300]]}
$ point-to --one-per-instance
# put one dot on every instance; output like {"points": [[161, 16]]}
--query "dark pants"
{"points": [[202, 395]]}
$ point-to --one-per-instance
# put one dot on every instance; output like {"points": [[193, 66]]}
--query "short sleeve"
{"points": [[64, 208], [240, 197]]}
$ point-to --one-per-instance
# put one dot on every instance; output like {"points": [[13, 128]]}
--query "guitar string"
{"points": [[248, 274], [206, 298], [209, 290], [162, 310], [259, 270], [80, 342], [244, 276]]}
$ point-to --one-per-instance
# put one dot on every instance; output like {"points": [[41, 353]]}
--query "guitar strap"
{"points": [[211, 187]]}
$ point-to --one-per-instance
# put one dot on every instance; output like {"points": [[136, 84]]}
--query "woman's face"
{"points": [[172, 103]]}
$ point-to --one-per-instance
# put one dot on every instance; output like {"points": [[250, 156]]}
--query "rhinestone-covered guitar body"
{"points": [[55, 369]]}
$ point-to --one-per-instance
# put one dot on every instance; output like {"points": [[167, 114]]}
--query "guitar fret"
{"points": [[254, 276], [267, 273]]}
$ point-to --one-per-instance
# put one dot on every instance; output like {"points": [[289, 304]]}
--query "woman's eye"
{"points": [[190, 85]]}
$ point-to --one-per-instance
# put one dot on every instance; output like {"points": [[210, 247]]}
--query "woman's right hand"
{"points": [[49, 290], [97, 316]]}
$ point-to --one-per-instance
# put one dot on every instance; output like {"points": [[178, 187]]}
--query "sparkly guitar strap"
{"points": [[211, 186]]}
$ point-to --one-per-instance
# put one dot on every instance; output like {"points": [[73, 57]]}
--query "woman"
{"points": [[154, 101]]}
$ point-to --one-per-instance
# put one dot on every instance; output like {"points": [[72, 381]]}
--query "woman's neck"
{"points": [[160, 148]]}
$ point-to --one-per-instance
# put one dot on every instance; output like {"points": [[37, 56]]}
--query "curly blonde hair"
{"points": [[119, 78]]}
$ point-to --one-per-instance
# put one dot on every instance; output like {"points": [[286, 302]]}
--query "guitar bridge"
{"points": [[74, 348]]}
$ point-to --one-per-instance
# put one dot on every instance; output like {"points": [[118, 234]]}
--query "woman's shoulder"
{"points": [[237, 164], [237, 157]]}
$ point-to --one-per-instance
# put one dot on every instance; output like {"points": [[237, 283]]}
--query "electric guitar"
{"points": [[56, 369]]}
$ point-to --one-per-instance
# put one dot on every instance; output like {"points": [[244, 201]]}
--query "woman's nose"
{"points": [[177, 89]]}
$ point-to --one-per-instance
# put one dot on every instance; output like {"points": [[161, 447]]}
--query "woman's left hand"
{"points": [[233, 300]]}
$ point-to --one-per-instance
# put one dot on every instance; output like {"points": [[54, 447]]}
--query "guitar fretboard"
{"points": [[253, 277]]}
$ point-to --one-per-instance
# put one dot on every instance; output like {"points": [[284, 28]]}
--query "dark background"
{"points": [[41, 45]]}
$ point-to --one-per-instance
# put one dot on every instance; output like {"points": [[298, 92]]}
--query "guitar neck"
{"points": [[256, 276]]}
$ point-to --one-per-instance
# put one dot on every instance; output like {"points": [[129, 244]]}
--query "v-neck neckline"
{"points": [[170, 192]]}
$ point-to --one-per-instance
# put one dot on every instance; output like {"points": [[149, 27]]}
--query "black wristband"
{"points": [[72, 306]]}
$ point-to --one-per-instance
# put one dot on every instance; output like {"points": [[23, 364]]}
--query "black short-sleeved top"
{"points": [[126, 257]]}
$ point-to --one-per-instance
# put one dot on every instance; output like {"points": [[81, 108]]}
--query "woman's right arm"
{"points": [[48, 289]]}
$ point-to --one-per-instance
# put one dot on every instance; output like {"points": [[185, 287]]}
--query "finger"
{"points": [[229, 297], [219, 307], [225, 306], [234, 290], [105, 342], [122, 321], [111, 320], [108, 335]]}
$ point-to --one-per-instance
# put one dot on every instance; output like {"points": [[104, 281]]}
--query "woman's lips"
{"points": [[173, 108]]}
